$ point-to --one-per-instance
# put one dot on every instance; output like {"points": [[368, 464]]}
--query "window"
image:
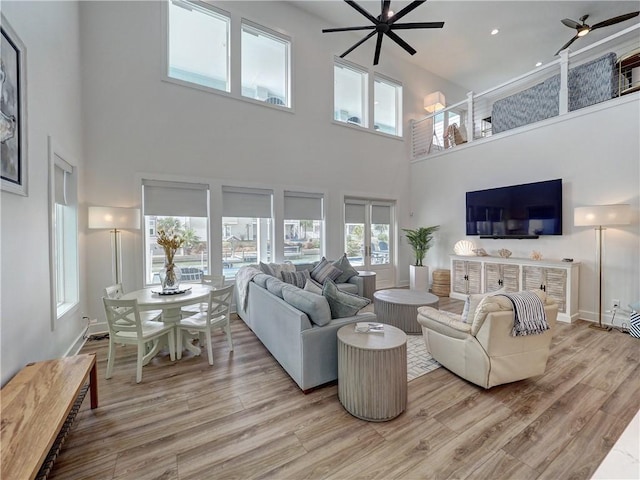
{"points": [[64, 237], [303, 227], [246, 227], [442, 120], [387, 112], [184, 208], [265, 66], [198, 44], [350, 94]]}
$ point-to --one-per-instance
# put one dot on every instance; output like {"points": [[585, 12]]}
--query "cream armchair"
{"points": [[483, 350]]}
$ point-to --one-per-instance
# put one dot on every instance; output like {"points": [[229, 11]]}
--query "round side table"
{"points": [[399, 307], [369, 279], [372, 373]]}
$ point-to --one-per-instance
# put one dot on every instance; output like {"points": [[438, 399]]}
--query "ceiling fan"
{"points": [[384, 24], [582, 28]]}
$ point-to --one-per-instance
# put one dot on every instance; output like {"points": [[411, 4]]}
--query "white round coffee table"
{"points": [[399, 307], [372, 373]]}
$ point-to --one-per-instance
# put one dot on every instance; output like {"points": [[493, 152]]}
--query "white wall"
{"points": [[136, 123], [51, 36], [595, 151]]}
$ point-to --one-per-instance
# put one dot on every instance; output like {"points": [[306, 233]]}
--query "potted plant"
{"points": [[420, 241]]}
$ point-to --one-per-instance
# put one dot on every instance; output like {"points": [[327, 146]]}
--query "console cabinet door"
{"points": [[498, 275], [467, 277], [551, 280]]}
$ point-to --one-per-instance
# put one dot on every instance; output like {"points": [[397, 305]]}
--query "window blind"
{"points": [[303, 206], [246, 202], [177, 199], [354, 211], [381, 214]]}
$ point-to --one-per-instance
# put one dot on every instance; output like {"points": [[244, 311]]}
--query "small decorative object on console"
{"points": [[481, 252], [464, 247], [504, 253], [535, 255]]}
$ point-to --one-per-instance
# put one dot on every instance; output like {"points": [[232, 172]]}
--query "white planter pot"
{"points": [[419, 278]]}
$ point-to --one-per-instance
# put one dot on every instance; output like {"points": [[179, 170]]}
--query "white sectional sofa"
{"points": [[306, 350]]}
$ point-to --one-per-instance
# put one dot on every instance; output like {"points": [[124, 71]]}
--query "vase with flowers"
{"points": [[170, 274]]}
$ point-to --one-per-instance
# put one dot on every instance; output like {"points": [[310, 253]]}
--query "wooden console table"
{"points": [[35, 405]]}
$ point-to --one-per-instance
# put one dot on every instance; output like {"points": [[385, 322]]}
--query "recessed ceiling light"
{"points": [[495, 31], [538, 64]]}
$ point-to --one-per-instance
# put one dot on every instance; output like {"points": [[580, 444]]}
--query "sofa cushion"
{"points": [[342, 304], [266, 269], [347, 287], [472, 302], [275, 286], [347, 271], [261, 279], [325, 270], [296, 278], [315, 306], [312, 286]]}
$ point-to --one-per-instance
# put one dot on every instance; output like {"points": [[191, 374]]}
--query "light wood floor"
{"points": [[245, 418]]}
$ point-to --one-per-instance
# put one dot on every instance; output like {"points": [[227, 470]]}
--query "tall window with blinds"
{"points": [[303, 227], [184, 208], [63, 236], [247, 223], [367, 226]]}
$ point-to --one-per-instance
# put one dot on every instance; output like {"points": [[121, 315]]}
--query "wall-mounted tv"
{"points": [[517, 211]]}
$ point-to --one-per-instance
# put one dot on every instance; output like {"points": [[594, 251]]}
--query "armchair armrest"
{"points": [[359, 282], [445, 323]]}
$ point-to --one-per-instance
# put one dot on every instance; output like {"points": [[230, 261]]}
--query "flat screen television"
{"points": [[517, 211]]}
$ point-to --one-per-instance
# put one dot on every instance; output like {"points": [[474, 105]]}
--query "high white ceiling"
{"points": [[464, 51]]}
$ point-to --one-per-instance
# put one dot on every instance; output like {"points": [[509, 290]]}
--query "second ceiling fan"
{"points": [[385, 24], [582, 28]]}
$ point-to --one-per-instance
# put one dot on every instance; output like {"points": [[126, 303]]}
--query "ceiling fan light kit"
{"points": [[384, 24], [583, 29]]}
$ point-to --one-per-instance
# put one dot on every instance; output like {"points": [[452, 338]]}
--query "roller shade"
{"points": [[381, 214], [354, 211], [303, 206], [176, 199], [61, 173], [246, 202]]}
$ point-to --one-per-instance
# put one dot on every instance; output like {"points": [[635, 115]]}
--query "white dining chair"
{"points": [[115, 292], [216, 315], [214, 281], [127, 327]]}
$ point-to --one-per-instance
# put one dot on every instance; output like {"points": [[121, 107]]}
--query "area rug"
{"points": [[419, 361]]}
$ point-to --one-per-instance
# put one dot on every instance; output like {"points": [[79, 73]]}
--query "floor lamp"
{"points": [[601, 216], [115, 219]]}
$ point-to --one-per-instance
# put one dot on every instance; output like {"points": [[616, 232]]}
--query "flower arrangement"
{"points": [[170, 241]]}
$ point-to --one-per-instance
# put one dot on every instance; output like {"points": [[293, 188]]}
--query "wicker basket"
{"points": [[441, 283]]}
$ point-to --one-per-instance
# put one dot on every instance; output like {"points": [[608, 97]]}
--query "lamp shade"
{"points": [[602, 215], [434, 101], [114, 218]]}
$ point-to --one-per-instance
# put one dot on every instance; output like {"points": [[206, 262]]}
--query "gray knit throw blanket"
{"points": [[529, 315]]}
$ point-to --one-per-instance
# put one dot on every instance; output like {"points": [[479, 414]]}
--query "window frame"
{"points": [[369, 100], [341, 63], [64, 273], [278, 37], [319, 207], [399, 94], [205, 8]]}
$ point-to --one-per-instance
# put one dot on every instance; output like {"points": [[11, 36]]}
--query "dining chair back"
{"points": [[116, 291], [127, 327], [214, 281], [217, 315]]}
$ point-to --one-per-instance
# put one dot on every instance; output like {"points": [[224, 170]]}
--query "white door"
{"points": [[368, 238]]}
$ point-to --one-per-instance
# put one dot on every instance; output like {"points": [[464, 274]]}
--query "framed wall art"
{"points": [[13, 111]]}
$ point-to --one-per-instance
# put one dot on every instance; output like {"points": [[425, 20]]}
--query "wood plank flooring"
{"points": [[245, 418]]}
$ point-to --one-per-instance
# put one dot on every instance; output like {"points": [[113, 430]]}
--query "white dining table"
{"points": [[149, 299]]}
